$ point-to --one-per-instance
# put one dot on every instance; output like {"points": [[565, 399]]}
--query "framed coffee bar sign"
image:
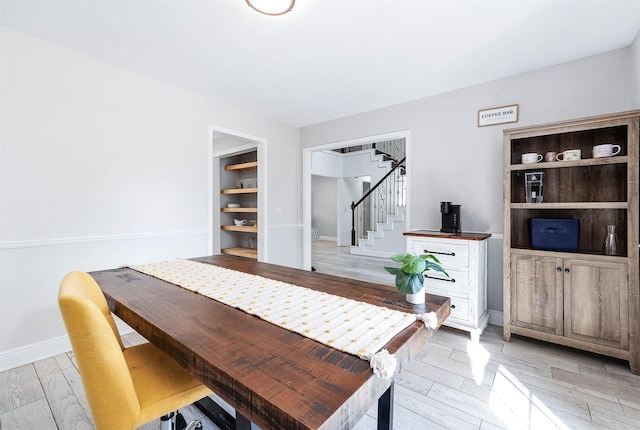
{"points": [[499, 115]]}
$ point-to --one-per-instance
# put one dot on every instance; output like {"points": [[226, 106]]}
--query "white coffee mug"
{"points": [[240, 221], [569, 155], [605, 150], [531, 157]]}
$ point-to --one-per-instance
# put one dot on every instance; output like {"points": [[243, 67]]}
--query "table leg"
{"points": [[385, 410], [242, 422], [217, 414]]}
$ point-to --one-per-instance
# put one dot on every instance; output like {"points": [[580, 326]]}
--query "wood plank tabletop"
{"points": [[464, 235], [276, 378]]}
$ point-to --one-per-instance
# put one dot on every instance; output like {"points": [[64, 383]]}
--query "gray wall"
{"points": [[635, 71], [102, 167], [451, 158]]}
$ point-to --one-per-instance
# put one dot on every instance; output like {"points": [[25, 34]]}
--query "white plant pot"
{"points": [[417, 298]]}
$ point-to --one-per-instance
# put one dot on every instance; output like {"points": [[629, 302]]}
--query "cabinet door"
{"points": [[596, 309], [537, 293]]}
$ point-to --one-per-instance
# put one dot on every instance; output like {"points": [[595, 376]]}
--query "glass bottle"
{"points": [[610, 241]]}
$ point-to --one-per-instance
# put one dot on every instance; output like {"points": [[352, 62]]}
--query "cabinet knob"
{"points": [[453, 306], [558, 269], [566, 270]]}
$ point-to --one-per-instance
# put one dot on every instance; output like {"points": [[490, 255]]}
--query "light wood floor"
{"points": [[452, 384]]}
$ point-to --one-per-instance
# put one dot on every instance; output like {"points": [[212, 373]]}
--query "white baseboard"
{"points": [[495, 318], [331, 238], [34, 352], [45, 349]]}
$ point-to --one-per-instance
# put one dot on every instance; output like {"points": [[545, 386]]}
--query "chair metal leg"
{"points": [[194, 425], [166, 422], [175, 421], [179, 421]]}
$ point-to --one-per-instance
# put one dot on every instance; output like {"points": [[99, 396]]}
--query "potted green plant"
{"points": [[410, 278]]}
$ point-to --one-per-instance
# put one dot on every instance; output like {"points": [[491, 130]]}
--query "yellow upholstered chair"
{"points": [[125, 387]]}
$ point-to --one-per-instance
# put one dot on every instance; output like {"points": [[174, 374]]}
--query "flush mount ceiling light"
{"points": [[272, 7]]}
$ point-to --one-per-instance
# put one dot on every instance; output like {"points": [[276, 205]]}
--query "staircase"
{"points": [[378, 217], [386, 240]]}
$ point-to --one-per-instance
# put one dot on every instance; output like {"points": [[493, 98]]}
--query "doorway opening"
{"points": [[230, 145], [311, 164]]}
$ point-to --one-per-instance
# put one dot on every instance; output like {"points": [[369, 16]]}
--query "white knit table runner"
{"points": [[350, 326]]}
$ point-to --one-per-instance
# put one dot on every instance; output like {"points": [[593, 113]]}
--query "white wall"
{"points": [[451, 159], [101, 167], [365, 163], [327, 163], [324, 205], [349, 190]]}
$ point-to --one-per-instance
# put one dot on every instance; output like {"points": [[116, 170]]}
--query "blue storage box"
{"points": [[555, 234]]}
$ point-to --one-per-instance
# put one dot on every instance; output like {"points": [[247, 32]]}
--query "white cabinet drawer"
{"points": [[457, 283], [459, 309], [450, 253]]}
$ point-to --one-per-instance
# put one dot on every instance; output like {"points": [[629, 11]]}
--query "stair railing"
{"points": [[381, 201], [392, 149]]}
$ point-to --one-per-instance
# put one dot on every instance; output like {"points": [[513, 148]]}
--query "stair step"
{"points": [[386, 240]]}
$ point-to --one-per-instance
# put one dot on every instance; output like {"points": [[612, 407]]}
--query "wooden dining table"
{"points": [[273, 377]]}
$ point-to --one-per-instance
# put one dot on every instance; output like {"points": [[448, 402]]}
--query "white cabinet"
{"points": [[464, 257]]}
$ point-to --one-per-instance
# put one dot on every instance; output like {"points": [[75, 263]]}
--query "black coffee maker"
{"points": [[451, 222]]}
